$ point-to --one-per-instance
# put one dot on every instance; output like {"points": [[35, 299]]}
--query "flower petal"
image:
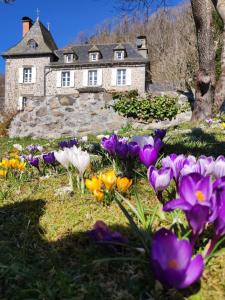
{"points": [[193, 272]]}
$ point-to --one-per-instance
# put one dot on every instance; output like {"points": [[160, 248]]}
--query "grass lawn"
{"points": [[45, 252]]}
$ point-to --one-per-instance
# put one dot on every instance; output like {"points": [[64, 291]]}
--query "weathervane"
{"points": [[38, 13]]}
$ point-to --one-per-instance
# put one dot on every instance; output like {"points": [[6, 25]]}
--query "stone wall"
{"points": [[72, 115]]}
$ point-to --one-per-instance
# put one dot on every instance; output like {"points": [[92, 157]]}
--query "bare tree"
{"points": [[205, 79]]}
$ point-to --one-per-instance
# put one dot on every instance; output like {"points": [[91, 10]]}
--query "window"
{"points": [[119, 55], [22, 103], [27, 75], [92, 78], [65, 78], [121, 77], [94, 56], [68, 58], [32, 44]]}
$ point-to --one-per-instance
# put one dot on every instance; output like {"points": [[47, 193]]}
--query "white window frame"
{"points": [[94, 56], [92, 77], [27, 75], [65, 79], [22, 102], [69, 58], [121, 77], [119, 55]]}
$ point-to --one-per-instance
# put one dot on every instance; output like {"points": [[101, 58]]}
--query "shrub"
{"points": [[4, 125], [128, 94], [158, 107]]}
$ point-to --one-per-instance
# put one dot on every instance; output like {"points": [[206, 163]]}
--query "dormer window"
{"points": [[32, 44], [94, 56], [119, 55], [69, 58]]}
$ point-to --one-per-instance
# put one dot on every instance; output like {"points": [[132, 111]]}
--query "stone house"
{"points": [[35, 67]]}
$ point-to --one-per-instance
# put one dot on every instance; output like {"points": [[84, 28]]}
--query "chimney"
{"points": [[141, 42], [27, 23]]}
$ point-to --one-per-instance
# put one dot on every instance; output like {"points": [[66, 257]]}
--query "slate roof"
{"points": [[41, 35], [107, 55]]}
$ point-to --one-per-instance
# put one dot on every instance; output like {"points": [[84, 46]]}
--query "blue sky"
{"points": [[66, 18]]}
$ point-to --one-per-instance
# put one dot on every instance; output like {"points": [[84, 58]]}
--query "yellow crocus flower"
{"points": [[123, 184], [21, 166], [5, 163], [14, 163], [14, 155], [98, 195], [3, 173], [93, 184], [223, 125], [109, 179]]}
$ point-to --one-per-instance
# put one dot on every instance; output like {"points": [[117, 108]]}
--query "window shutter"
{"points": [[20, 75], [85, 78], [128, 79], [33, 74], [114, 73], [20, 103], [72, 73], [59, 79], [99, 77]]}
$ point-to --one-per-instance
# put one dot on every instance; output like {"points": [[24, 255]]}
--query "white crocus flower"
{"points": [[62, 156], [143, 140], [84, 138], [80, 160], [40, 148], [18, 147]]}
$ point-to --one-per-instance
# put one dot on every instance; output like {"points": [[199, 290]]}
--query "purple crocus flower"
{"points": [[160, 133], [133, 149], [159, 179], [34, 161], [68, 144], [172, 261], [109, 144], [148, 155], [121, 150], [219, 167], [49, 158], [197, 200], [219, 223], [101, 234], [204, 166], [33, 148], [176, 163], [158, 144]]}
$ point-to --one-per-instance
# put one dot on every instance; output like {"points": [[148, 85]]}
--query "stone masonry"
{"points": [[71, 115]]}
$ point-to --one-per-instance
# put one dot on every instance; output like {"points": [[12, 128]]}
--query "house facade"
{"points": [[36, 67]]}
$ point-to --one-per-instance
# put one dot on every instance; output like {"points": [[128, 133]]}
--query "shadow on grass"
{"points": [[33, 268], [199, 143]]}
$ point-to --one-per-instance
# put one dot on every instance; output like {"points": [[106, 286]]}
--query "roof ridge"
{"points": [[95, 44]]}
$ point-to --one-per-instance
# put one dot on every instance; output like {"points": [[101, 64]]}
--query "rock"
{"points": [[57, 113], [42, 111], [76, 94], [54, 103], [66, 101], [69, 109]]}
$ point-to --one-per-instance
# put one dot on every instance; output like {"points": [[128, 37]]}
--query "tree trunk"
{"points": [[220, 86], [205, 79]]}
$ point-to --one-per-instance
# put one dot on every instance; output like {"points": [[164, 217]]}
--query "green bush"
{"points": [[158, 108], [128, 94]]}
